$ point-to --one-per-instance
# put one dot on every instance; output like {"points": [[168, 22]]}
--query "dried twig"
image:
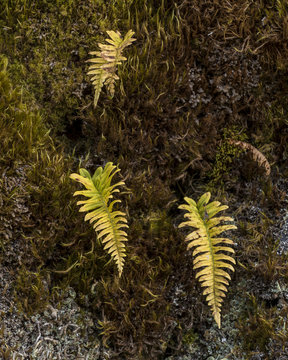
{"points": [[256, 154]]}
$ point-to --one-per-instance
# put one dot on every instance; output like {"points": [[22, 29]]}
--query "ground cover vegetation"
{"points": [[202, 79]]}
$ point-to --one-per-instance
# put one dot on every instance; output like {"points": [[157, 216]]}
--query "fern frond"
{"points": [[104, 66], [209, 249], [107, 222]]}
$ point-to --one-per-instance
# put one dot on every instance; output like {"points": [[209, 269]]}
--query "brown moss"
{"points": [[263, 331], [184, 83]]}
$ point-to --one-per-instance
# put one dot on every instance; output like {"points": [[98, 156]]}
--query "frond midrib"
{"points": [[113, 224], [212, 263], [114, 227]]}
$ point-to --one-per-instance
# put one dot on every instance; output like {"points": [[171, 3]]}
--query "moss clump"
{"points": [[164, 143], [190, 337], [21, 130], [226, 155], [263, 329], [31, 291]]}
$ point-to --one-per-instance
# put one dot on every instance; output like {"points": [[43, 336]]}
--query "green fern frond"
{"points": [[209, 253], [104, 65], [107, 223]]}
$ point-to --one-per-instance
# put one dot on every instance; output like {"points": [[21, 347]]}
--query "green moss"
{"points": [[264, 329], [226, 155], [190, 337], [21, 130], [31, 291], [36, 194], [150, 130]]}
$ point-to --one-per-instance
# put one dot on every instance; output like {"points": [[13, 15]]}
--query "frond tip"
{"points": [[107, 223], [209, 249]]}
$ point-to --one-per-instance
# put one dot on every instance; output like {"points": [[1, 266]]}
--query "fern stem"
{"points": [[214, 307], [114, 228]]}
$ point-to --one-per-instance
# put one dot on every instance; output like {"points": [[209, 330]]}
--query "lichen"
{"points": [[199, 74]]}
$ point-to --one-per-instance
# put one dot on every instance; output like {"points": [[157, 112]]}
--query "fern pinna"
{"points": [[107, 223], [209, 253], [104, 65]]}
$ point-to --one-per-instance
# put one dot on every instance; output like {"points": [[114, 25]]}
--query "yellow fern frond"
{"points": [[209, 249], [104, 66], [108, 223]]}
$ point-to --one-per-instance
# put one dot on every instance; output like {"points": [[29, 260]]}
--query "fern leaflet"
{"points": [[209, 259], [108, 223], [104, 65]]}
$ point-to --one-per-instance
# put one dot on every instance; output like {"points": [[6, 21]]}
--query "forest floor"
{"points": [[200, 106]]}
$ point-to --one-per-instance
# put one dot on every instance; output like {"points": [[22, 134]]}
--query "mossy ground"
{"points": [[188, 82]]}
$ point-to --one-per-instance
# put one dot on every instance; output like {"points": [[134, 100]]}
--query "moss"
{"points": [[6, 352], [164, 147], [52, 57], [22, 130], [31, 291], [190, 337], [264, 329], [226, 155], [259, 251]]}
